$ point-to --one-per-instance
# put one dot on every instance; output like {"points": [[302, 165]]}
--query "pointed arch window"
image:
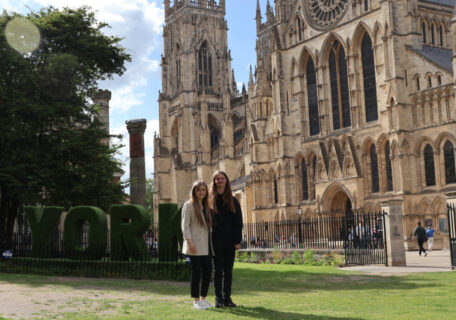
{"points": [[366, 5], [204, 67], [339, 87], [432, 34], [298, 26], [276, 194], [370, 84], [175, 135], [314, 167], [441, 35], [423, 30], [389, 170], [312, 98], [429, 165], [305, 186], [178, 71], [215, 134], [374, 169], [448, 152]]}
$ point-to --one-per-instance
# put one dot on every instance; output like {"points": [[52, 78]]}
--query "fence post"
{"points": [[451, 227], [394, 233]]}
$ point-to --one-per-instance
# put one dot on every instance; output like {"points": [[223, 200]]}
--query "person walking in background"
{"points": [[226, 236], [196, 230], [430, 235], [420, 234]]}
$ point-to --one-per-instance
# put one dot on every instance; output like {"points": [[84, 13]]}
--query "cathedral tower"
{"points": [[195, 97]]}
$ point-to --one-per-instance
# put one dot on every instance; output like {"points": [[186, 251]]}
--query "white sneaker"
{"points": [[206, 303], [198, 305]]}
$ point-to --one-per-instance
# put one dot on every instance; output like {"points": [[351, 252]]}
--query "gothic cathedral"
{"points": [[351, 104]]}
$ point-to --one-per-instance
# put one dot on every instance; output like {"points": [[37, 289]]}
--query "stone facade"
{"points": [[351, 104]]}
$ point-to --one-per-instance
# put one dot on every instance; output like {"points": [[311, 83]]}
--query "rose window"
{"points": [[324, 14]]}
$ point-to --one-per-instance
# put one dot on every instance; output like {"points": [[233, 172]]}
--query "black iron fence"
{"points": [[452, 233], [360, 236], [19, 257]]}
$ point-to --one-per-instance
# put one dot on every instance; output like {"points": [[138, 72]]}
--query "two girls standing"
{"points": [[212, 228]]}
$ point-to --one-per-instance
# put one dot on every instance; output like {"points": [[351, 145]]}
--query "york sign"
{"points": [[128, 223]]}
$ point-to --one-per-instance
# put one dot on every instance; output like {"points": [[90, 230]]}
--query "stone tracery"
{"points": [[324, 14]]}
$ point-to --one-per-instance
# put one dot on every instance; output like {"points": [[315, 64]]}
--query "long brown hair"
{"points": [[197, 207], [227, 194]]}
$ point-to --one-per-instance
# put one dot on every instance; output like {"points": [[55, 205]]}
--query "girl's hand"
{"points": [[191, 246]]}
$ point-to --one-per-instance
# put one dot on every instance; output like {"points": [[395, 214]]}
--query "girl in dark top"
{"points": [[226, 235]]}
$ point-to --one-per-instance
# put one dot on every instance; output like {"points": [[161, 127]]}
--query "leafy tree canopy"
{"points": [[51, 140]]}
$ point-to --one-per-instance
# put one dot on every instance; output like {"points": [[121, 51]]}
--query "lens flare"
{"points": [[22, 35]]}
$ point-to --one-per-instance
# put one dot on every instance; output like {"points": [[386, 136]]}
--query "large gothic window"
{"points": [[448, 152], [339, 87], [389, 171], [305, 187], [429, 165], [204, 67], [374, 169], [370, 86], [312, 98]]}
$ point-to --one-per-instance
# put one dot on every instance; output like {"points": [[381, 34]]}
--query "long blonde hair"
{"points": [[197, 207], [227, 194]]}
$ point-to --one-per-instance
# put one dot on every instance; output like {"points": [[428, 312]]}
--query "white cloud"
{"points": [[139, 23]]}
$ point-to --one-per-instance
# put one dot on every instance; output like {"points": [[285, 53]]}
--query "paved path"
{"points": [[435, 261]]}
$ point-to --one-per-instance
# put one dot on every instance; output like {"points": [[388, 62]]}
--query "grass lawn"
{"points": [[261, 291]]}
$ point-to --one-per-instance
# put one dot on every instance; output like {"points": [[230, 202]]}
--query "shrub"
{"points": [[296, 258], [309, 257]]}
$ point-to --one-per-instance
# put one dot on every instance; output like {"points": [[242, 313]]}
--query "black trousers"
{"points": [[223, 276], [201, 275], [420, 244]]}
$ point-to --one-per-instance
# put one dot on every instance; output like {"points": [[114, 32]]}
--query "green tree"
{"points": [[51, 149]]}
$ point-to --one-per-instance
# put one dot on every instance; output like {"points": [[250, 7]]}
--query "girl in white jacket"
{"points": [[196, 230]]}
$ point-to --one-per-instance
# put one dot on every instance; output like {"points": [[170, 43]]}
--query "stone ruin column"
{"points": [[394, 233], [102, 98], [136, 129]]}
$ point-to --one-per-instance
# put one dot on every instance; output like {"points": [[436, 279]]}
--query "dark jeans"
{"points": [[223, 263], [200, 264], [420, 244]]}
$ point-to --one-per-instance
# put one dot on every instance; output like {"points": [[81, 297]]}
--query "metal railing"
{"points": [[18, 257], [359, 235]]}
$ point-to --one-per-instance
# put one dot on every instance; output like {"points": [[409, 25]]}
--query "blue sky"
{"points": [[139, 22]]}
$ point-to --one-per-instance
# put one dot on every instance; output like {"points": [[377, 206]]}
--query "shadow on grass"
{"points": [[296, 281], [264, 313], [247, 279]]}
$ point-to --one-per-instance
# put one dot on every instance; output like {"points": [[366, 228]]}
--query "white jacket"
{"points": [[191, 229]]}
